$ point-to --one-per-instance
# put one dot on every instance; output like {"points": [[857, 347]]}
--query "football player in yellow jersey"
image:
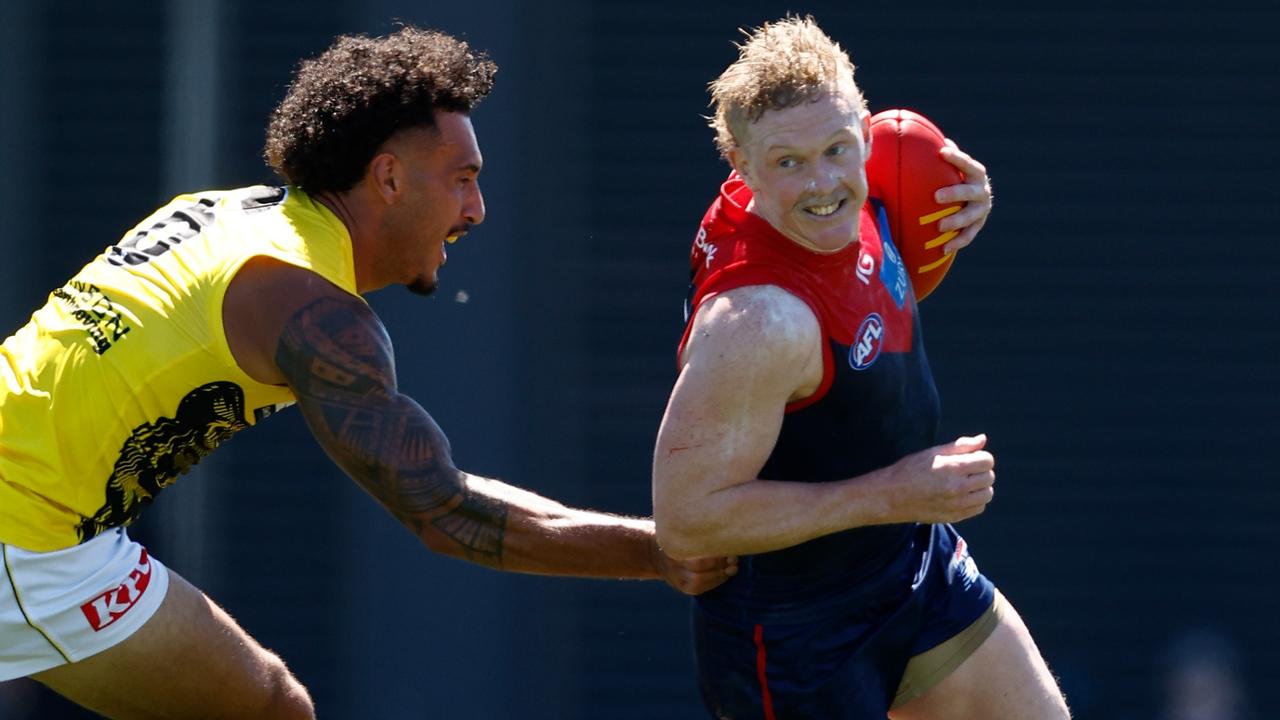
{"points": [[375, 141]]}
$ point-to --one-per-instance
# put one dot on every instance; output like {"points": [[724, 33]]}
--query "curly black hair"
{"points": [[343, 104]]}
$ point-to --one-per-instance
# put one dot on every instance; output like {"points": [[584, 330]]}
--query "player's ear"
{"points": [[864, 118], [738, 159], [384, 175]]}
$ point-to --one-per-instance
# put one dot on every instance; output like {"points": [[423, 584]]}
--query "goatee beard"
{"points": [[422, 287]]}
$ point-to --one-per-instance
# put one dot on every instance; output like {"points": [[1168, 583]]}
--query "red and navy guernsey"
{"points": [[877, 401]]}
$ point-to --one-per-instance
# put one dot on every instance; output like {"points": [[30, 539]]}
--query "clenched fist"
{"points": [[943, 484]]}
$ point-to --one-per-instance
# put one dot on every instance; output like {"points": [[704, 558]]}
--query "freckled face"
{"points": [[806, 167]]}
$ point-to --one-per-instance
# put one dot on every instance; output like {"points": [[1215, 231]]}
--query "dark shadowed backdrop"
{"points": [[1114, 329]]}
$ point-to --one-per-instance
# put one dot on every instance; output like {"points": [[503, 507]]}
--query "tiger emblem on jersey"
{"points": [[155, 454]]}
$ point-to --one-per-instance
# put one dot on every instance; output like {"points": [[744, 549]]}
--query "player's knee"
{"points": [[288, 699]]}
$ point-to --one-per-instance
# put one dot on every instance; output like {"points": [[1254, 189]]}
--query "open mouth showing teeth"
{"points": [[825, 210]]}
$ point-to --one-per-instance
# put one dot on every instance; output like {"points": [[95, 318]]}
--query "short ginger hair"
{"points": [[780, 65], [345, 103]]}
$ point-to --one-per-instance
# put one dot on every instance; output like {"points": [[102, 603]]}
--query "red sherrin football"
{"points": [[904, 171]]}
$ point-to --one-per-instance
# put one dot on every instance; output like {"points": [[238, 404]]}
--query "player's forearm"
{"points": [[337, 360], [545, 537], [764, 515], [503, 527], [477, 519]]}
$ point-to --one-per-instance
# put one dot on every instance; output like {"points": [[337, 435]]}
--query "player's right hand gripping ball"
{"points": [[903, 172]]}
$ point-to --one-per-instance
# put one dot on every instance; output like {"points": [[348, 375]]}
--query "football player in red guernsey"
{"points": [[800, 434]]}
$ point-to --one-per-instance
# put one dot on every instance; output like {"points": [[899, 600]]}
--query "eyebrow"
{"points": [[828, 139]]}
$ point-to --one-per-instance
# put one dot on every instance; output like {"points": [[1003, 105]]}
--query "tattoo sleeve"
{"points": [[338, 360]]}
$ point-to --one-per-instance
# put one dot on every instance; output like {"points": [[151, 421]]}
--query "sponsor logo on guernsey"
{"points": [[114, 603], [867, 342], [707, 248], [866, 267], [962, 565], [100, 317], [894, 274]]}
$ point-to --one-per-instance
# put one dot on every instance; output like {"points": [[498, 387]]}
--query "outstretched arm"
{"points": [[335, 355]]}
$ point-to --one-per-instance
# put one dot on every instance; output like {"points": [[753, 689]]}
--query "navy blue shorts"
{"points": [[843, 655]]}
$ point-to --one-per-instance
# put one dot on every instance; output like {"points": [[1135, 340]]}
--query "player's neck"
{"points": [[348, 210]]}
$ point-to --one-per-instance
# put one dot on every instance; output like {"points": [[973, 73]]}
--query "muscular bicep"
{"points": [[748, 354], [714, 434], [337, 358]]}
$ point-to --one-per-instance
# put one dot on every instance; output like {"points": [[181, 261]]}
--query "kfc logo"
{"points": [[114, 603]]}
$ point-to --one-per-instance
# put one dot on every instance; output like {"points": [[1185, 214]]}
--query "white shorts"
{"points": [[63, 606]]}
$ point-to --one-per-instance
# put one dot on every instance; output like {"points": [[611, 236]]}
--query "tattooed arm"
{"points": [[336, 356]]}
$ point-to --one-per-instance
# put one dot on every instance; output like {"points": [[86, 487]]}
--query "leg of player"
{"points": [[190, 659], [1004, 679]]}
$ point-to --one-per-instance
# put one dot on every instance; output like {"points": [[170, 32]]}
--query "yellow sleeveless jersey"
{"points": [[124, 379]]}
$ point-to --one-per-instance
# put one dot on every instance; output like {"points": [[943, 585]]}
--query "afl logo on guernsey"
{"points": [[867, 342]]}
